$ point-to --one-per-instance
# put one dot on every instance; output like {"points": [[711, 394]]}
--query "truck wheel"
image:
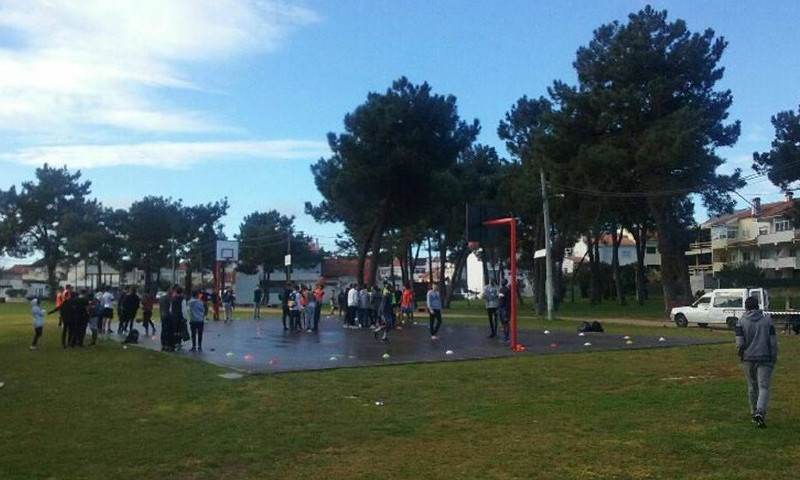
{"points": [[702, 325], [680, 320], [731, 321]]}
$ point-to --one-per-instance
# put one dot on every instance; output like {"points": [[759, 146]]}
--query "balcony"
{"points": [[778, 263], [700, 269], [777, 237]]}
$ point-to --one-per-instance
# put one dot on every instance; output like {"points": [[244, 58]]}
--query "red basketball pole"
{"points": [[511, 222]]}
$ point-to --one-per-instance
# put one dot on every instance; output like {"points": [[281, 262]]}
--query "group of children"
{"points": [[302, 307], [363, 306], [85, 309], [498, 307], [183, 315]]}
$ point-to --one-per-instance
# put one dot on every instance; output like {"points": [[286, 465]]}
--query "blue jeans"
{"points": [[310, 308], [758, 375]]}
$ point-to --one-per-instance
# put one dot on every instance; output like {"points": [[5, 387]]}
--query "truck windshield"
{"points": [[728, 300], [703, 301]]}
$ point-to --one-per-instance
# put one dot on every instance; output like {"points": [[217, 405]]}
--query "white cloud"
{"points": [[69, 64], [169, 155], [757, 133]]}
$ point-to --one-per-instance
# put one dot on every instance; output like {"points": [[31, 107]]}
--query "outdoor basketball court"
{"points": [[261, 346]]}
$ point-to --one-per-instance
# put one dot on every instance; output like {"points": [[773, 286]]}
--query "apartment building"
{"points": [[762, 235]]}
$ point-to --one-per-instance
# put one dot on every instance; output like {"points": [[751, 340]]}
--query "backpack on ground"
{"points": [[133, 336], [594, 326]]}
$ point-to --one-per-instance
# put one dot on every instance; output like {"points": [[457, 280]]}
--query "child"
{"points": [[95, 318], [197, 314], [228, 305], [38, 322]]}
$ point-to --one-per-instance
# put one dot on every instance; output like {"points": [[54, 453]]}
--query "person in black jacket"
{"points": [[176, 315], [164, 304], [81, 321], [285, 297], [130, 307]]}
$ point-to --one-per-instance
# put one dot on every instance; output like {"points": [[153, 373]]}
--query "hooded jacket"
{"points": [[756, 338]]}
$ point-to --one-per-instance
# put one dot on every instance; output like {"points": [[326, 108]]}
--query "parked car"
{"points": [[724, 306]]}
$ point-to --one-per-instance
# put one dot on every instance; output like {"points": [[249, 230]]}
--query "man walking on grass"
{"points": [[758, 351]]}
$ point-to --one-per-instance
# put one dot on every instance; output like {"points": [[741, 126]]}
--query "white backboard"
{"points": [[227, 251]]}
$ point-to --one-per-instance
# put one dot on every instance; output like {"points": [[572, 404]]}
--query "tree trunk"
{"points": [[403, 258], [265, 296], [187, 281], [459, 270], [52, 281], [616, 239], [595, 293], [442, 264], [377, 241], [430, 261], [363, 248], [674, 269], [640, 237], [148, 282]]}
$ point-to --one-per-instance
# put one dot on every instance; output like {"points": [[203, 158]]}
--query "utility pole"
{"points": [[547, 246], [289, 256], [172, 241]]}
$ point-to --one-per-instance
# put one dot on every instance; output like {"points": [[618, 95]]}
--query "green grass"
{"points": [[109, 413]]}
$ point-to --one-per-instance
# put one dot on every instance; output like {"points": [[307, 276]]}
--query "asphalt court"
{"points": [[262, 346]]}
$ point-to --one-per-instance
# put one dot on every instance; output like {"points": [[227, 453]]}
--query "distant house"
{"points": [[31, 278], [762, 235], [627, 252]]}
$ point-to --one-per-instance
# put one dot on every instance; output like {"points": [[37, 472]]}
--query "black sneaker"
{"points": [[758, 419]]}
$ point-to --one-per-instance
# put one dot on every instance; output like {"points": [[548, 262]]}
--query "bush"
{"points": [[16, 292]]}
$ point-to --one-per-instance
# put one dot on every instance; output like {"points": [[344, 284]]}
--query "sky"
{"points": [[204, 99]]}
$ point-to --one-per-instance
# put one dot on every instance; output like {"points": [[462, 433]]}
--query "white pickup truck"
{"points": [[722, 306]]}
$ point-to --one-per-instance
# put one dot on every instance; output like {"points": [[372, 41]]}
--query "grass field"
{"points": [[109, 413]]}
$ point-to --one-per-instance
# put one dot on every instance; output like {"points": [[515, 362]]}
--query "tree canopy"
{"points": [[645, 121], [45, 214], [782, 162], [384, 167]]}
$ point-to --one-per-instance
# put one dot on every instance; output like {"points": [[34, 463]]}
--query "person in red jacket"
{"points": [[407, 303]]}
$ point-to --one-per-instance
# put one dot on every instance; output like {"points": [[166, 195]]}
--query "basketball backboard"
{"points": [[227, 251]]}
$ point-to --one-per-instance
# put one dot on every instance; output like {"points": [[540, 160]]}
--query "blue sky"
{"points": [[200, 99]]}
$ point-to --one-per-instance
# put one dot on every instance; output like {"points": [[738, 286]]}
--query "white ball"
{"points": [[449, 352]]}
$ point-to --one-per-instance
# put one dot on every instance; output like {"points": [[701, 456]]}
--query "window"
{"points": [[763, 230], [782, 225], [650, 250], [728, 300], [703, 301], [746, 257], [732, 231]]}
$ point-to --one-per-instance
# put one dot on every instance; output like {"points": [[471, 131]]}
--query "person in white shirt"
{"points": [[38, 322], [491, 295], [352, 305], [108, 310]]}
